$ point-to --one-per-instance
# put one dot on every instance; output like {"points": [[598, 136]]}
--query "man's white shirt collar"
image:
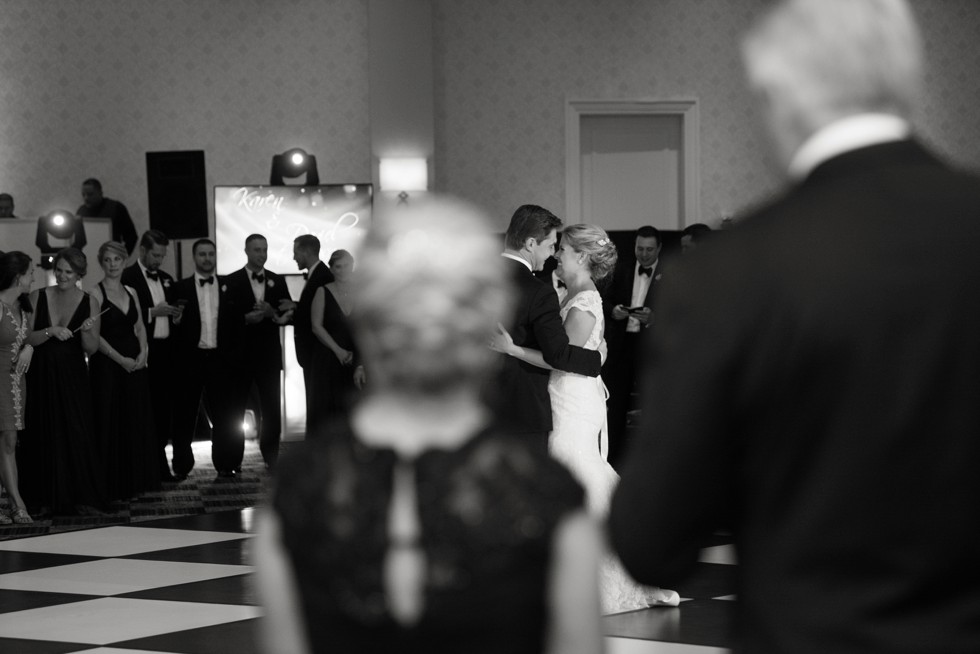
{"points": [[517, 258], [844, 135]]}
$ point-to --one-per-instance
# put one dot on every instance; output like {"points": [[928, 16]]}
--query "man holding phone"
{"points": [[627, 304], [156, 292]]}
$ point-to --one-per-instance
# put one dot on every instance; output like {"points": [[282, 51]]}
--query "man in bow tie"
{"points": [[267, 295], [211, 340], [157, 295], [627, 304]]}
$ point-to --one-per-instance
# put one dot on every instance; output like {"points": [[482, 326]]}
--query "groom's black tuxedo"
{"points": [[521, 395], [814, 378]]}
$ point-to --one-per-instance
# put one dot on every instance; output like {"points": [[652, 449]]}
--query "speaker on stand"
{"points": [[178, 196]]}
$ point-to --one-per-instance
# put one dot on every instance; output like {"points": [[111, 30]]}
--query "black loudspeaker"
{"points": [[178, 194]]}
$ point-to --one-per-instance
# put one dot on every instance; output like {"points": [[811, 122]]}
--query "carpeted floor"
{"points": [[202, 492]]}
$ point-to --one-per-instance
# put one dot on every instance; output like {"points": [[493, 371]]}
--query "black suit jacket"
{"points": [[263, 348], [813, 383], [231, 322], [302, 330], [620, 291], [133, 277], [521, 396]]}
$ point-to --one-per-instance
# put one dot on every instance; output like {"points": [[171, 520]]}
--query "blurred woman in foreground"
{"points": [[419, 527]]}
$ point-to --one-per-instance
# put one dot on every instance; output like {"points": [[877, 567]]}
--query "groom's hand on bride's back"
{"points": [[603, 351]]}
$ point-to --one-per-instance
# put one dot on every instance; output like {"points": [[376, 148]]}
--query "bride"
{"points": [[578, 403]]}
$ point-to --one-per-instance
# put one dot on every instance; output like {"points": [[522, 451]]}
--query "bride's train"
{"points": [[578, 437]]}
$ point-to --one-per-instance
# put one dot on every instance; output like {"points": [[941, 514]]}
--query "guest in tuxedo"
{"points": [[210, 337], [627, 304], [266, 294], [96, 205], [306, 254], [334, 352], [813, 376], [520, 394], [156, 294]]}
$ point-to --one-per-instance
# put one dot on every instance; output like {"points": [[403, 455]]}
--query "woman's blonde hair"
{"points": [[594, 243], [115, 247], [430, 290]]}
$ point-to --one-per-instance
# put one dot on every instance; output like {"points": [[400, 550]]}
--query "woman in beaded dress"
{"points": [[416, 526], [579, 437], [16, 272]]}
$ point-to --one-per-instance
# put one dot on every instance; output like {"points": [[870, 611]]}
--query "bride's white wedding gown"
{"points": [[579, 440]]}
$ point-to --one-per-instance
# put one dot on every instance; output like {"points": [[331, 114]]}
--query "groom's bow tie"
{"points": [[259, 277], [646, 271], [206, 280], [153, 274]]}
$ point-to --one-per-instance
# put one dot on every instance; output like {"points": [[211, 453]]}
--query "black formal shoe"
{"points": [[167, 477], [180, 477], [227, 474]]}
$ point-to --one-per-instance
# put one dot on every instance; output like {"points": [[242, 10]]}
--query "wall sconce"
{"points": [[62, 225], [293, 163], [403, 174]]}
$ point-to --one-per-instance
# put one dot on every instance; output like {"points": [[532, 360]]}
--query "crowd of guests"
{"points": [[99, 383]]}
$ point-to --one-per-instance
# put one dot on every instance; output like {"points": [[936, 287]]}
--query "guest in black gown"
{"points": [[60, 468], [334, 352], [121, 385], [418, 526]]}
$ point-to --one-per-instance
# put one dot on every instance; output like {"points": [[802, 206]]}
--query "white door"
{"points": [[631, 164]]}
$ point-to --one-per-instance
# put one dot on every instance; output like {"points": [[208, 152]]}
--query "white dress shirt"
{"points": [[161, 324], [207, 302], [641, 286]]}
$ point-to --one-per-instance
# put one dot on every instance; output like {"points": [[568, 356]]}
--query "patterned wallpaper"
{"points": [[87, 87], [506, 67]]}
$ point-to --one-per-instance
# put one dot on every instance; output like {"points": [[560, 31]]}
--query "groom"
{"points": [[521, 397]]}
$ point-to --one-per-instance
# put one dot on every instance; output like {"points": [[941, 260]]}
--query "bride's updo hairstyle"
{"points": [[430, 291], [595, 244]]}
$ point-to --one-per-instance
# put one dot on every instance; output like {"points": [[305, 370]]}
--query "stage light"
{"points": [[291, 164], [64, 226]]}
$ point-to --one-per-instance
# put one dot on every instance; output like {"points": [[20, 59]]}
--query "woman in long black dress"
{"points": [[420, 527], [334, 353], [121, 384], [60, 466]]}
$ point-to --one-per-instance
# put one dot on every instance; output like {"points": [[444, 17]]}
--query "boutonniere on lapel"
{"points": [[657, 277], [166, 283], [271, 283], [224, 287]]}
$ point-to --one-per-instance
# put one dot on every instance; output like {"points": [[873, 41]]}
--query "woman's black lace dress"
{"points": [[488, 512]]}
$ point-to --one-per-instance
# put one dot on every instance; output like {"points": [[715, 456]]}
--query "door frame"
{"points": [[686, 109]]}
